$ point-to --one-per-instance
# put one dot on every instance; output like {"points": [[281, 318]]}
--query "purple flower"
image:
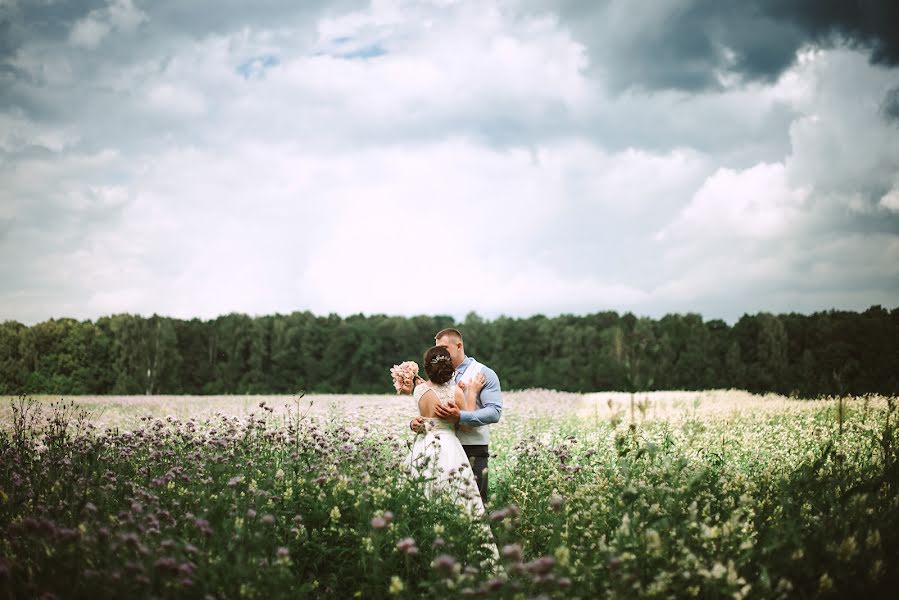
{"points": [[378, 523], [499, 515], [407, 546], [512, 552], [495, 584], [542, 565], [268, 519], [203, 526], [166, 565], [444, 563]]}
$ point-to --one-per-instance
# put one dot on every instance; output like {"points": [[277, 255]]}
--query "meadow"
{"points": [[719, 494]]}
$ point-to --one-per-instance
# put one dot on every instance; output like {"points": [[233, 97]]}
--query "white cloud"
{"points": [[18, 132], [890, 200], [415, 157], [177, 100], [118, 15], [755, 203], [89, 32]]}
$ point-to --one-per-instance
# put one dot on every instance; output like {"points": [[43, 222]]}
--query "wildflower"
{"points": [[166, 565], [709, 533], [542, 565], [378, 523], [335, 514], [283, 552], [499, 515], [653, 541], [251, 514], [563, 555], [625, 528], [203, 526], [556, 502], [396, 586], [388, 516], [234, 481], [268, 519], [512, 552], [848, 549], [407, 546], [873, 539], [825, 583], [444, 563], [279, 474]]}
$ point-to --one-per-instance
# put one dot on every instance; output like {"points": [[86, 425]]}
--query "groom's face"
{"points": [[455, 348]]}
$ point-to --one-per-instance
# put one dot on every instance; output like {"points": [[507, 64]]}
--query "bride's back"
{"points": [[443, 393]]}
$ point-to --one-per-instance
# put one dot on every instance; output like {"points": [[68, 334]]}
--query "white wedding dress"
{"points": [[438, 456]]}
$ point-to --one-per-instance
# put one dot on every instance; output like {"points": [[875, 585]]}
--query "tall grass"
{"points": [[271, 506]]}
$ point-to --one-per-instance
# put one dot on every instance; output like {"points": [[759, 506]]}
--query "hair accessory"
{"points": [[404, 375], [439, 359]]}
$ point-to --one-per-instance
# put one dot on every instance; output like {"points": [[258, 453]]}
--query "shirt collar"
{"points": [[463, 365]]}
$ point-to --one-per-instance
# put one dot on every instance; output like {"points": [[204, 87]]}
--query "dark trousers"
{"points": [[477, 457]]}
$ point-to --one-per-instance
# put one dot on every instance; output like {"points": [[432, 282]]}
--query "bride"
{"points": [[438, 455]]}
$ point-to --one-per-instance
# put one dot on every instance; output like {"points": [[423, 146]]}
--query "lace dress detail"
{"points": [[445, 396]]}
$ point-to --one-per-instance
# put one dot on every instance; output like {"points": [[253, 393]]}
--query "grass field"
{"points": [[717, 494]]}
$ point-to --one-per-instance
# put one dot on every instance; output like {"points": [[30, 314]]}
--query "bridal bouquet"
{"points": [[404, 375]]}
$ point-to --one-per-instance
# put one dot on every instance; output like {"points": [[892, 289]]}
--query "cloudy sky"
{"points": [[406, 157]]}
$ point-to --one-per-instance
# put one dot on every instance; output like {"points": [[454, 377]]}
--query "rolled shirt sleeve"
{"points": [[490, 403]]}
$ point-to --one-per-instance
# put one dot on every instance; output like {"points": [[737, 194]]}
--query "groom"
{"points": [[489, 406]]}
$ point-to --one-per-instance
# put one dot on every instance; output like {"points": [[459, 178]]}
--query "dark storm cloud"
{"points": [[869, 24], [688, 45], [890, 106]]}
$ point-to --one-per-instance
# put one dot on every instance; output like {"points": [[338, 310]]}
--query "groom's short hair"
{"points": [[450, 331]]}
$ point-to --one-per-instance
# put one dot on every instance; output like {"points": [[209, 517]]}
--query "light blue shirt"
{"points": [[489, 402]]}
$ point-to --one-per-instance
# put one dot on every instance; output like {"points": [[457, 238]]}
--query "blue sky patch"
{"points": [[255, 67]]}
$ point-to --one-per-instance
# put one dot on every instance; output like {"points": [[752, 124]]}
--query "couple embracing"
{"points": [[456, 405]]}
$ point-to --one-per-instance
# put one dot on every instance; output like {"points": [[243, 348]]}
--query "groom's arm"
{"points": [[491, 397]]}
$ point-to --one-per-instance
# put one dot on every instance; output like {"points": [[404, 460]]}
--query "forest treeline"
{"points": [[832, 352]]}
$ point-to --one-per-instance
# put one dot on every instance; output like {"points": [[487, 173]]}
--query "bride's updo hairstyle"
{"points": [[439, 365]]}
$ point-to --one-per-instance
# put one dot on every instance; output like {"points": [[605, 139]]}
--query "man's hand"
{"points": [[476, 384], [448, 413], [417, 424]]}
